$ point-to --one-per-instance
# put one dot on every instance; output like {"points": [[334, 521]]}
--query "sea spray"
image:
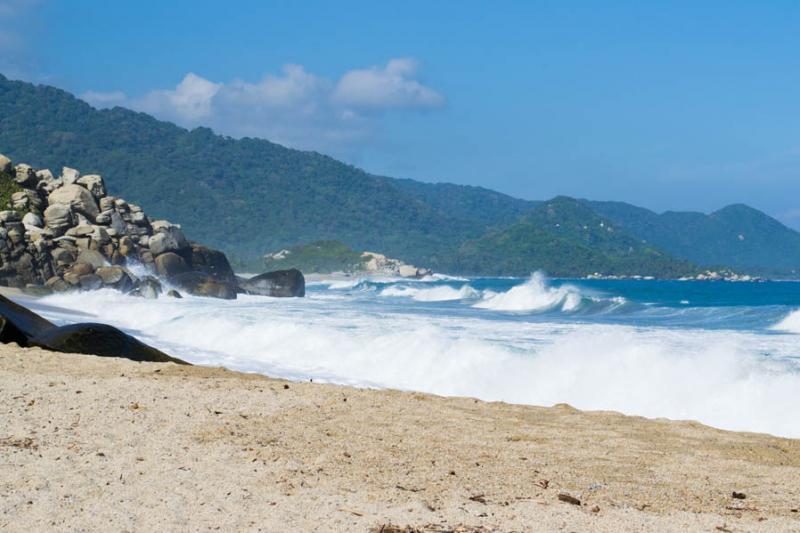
{"points": [[790, 323], [442, 293], [534, 295]]}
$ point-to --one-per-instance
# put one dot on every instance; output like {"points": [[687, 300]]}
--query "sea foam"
{"points": [[442, 293], [717, 377], [790, 323], [534, 295]]}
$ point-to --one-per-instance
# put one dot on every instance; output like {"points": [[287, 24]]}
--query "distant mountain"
{"points": [[736, 236], [270, 197], [565, 237]]}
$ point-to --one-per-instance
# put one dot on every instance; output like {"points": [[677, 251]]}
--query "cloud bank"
{"points": [[296, 107]]}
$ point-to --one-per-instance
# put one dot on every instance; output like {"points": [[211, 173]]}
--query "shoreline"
{"points": [[98, 443]]}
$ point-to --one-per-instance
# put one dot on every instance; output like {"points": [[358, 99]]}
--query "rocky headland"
{"points": [[67, 233]]}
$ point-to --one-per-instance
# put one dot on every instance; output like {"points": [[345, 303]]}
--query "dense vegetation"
{"points": [[565, 238], [319, 256], [737, 236], [249, 197], [7, 188], [246, 196]]}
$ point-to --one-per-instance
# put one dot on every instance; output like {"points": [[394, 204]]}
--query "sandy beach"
{"points": [[89, 443]]}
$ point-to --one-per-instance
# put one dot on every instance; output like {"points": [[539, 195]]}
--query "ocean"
{"points": [[722, 353]]}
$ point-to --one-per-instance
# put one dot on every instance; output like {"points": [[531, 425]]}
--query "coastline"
{"points": [[98, 443]]}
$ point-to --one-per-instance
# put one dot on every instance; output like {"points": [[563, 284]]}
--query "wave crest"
{"points": [[790, 323], [534, 295], [444, 293]]}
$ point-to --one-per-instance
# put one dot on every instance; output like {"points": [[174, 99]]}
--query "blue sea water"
{"points": [[723, 353]]}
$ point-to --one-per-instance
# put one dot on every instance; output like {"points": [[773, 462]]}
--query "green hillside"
{"points": [[318, 257], [245, 196], [565, 238], [250, 197], [736, 236]]}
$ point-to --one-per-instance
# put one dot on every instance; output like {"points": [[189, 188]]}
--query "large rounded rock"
{"points": [[56, 284], [59, 218], [170, 264], [149, 287], [81, 268], [26, 176], [92, 257], [90, 282], [116, 277], [77, 197], [99, 339], [18, 324], [69, 175], [169, 239], [62, 257], [26, 200], [32, 220], [26, 328], [127, 247], [201, 284], [281, 283], [212, 262], [118, 224], [94, 183]]}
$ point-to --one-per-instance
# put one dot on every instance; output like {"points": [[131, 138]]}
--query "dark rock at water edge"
{"points": [[201, 284], [99, 339], [20, 325], [281, 283], [212, 262]]}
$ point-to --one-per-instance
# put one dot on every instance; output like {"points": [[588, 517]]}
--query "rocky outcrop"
{"points": [[67, 233], [378, 263], [281, 283]]}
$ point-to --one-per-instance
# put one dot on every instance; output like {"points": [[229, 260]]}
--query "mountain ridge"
{"points": [[269, 197]]}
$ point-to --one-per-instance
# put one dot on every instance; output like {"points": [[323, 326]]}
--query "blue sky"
{"points": [[669, 105]]}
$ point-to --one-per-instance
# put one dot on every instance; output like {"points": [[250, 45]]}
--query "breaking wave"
{"points": [[536, 295], [443, 293], [790, 323], [717, 377]]}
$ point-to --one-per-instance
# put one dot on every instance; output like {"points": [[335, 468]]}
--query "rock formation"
{"points": [[379, 263], [285, 283], [24, 327], [67, 233]]}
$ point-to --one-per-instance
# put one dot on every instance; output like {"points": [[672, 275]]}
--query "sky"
{"points": [[668, 105]]}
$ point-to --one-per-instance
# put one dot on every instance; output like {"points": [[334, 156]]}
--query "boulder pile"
{"points": [[67, 233]]}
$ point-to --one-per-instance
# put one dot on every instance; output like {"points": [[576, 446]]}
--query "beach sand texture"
{"points": [[90, 443]]}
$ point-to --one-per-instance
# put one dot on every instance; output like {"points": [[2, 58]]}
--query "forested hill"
{"points": [[565, 236], [736, 236], [251, 196], [264, 194]]}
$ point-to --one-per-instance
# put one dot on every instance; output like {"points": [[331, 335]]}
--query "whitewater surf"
{"points": [[724, 354]]}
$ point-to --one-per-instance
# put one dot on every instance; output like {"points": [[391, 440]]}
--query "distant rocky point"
{"points": [[380, 264], [66, 233], [326, 257]]}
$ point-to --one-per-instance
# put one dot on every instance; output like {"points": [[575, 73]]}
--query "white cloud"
{"points": [[190, 100], [386, 87], [296, 108]]}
